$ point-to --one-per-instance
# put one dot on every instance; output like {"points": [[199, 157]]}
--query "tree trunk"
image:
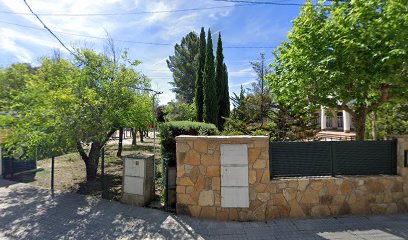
{"points": [[120, 146], [91, 160], [359, 123], [133, 136], [374, 125], [141, 135]]}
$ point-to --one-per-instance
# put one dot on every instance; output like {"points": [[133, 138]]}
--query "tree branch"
{"points": [[108, 136], [385, 97], [82, 152]]}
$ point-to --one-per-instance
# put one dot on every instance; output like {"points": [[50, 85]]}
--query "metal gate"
{"points": [[289, 159]]}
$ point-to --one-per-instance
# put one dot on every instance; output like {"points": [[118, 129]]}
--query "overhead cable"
{"points": [[126, 13], [126, 41]]}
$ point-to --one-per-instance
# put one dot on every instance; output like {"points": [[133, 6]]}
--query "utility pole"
{"points": [[154, 134]]}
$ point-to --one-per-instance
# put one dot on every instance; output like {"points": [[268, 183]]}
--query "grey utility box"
{"points": [[138, 179]]}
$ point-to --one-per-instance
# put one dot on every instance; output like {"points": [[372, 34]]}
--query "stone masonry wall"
{"points": [[199, 194]]}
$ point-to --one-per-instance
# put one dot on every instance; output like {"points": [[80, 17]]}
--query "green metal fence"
{"points": [[289, 159]]}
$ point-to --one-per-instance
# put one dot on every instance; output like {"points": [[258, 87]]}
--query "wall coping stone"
{"points": [[391, 136], [249, 137]]}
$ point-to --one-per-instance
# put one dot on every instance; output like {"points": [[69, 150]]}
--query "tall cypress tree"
{"points": [[210, 91], [224, 101], [199, 95], [219, 80]]}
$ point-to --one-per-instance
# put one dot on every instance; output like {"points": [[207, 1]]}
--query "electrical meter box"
{"points": [[138, 179]]}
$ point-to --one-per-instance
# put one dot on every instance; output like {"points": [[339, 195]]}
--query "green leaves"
{"points": [[342, 53], [183, 65], [61, 102]]}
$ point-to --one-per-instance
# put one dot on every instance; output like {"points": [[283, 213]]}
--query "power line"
{"points": [[126, 41], [87, 36], [265, 3], [261, 3], [126, 13], [235, 47], [69, 50], [49, 30], [243, 4]]}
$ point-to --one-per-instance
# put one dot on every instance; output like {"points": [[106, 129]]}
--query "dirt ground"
{"points": [[70, 171]]}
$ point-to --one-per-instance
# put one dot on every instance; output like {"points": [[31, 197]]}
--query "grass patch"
{"points": [[70, 172]]}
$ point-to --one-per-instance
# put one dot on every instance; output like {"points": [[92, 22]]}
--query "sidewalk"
{"points": [[28, 212]]}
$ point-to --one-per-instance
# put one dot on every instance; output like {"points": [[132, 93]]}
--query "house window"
{"points": [[328, 122], [339, 119]]}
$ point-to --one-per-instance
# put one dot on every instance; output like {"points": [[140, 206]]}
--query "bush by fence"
{"points": [[170, 130]]}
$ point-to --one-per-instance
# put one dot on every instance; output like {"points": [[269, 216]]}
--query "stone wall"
{"points": [[199, 181]]}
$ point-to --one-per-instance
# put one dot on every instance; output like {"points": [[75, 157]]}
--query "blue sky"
{"points": [[240, 26]]}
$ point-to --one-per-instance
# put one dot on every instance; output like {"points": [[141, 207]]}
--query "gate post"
{"points": [[332, 158]]}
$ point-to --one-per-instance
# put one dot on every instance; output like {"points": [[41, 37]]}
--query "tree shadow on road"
{"points": [[31, 213]]}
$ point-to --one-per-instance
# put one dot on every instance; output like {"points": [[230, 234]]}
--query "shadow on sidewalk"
{"points": [[29, 212]]}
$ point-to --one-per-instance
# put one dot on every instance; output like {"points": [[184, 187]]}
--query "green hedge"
{"points": [[170, 130]]}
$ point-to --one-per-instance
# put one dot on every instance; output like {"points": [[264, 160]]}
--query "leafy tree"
{"points": [[160, 114], [12, 82], [351, 55], [199, 94], [389, 118], [184, 68], [221, 80], [210, 91], [76, 105], [179, 111]]}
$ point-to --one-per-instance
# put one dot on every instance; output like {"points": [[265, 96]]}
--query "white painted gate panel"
{"points": [[234, 175]]}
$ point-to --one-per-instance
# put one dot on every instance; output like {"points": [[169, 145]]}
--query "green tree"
{"points": [[260, 96], [184, 67], [199, 94], [12, 82], [389, 118], [239, 103], [210, 91], [76, 105], [221, 81], [141, 115], [179, 111], [351, 55]]}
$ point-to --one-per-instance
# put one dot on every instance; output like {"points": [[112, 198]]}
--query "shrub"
{"points": [[170, 130]]}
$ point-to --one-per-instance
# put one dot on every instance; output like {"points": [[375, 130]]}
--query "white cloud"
{"points": [[246, 72], [167, 27], [26, 38], [20, 53], [156, 7], [91, 25], [239, 84]]}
